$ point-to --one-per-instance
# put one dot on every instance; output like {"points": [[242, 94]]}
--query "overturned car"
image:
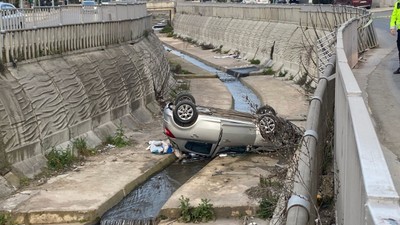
{"points": [[209, 131]]}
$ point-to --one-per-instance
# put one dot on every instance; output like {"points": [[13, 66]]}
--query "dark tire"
{"points": [[266, 109], [185, 113], [184, 96], [267, 125]]}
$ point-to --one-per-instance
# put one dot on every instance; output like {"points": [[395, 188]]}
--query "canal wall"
{"points": [[283, 37], [46, 102]]}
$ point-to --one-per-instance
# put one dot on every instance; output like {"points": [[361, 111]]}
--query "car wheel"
{"points": [[184, 96], [185, 113], [267, 125], [266, 109]]}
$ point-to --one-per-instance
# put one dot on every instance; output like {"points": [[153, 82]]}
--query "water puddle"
{"points": [[241, 94]]}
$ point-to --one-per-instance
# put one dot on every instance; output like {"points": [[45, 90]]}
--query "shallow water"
{"points": [[142, 205], [243, 96]]}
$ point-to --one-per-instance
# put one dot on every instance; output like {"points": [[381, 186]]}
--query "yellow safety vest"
{"points": [[395, 18]]}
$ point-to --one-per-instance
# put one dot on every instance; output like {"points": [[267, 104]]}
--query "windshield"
{"points": [[88, 3]]}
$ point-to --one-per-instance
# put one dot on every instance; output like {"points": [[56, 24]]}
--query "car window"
{"points": [[88, 3], [198, 147], [7, 6]]}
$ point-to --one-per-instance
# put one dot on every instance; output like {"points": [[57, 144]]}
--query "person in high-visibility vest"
{"points": [[395, 28]]}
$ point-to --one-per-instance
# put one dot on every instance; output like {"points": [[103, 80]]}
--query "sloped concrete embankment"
{"points": [[47, 102], [285, 46]]}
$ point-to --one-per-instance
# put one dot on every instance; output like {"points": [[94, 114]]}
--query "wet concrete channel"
{"points": [[142, 205]]}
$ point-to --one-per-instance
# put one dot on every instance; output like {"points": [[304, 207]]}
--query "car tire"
{"points": [[266, 109], [185, 113], [184, 96], [267, 124]]}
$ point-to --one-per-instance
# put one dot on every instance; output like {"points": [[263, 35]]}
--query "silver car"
{"points": [[11, 18], [209, 131]]}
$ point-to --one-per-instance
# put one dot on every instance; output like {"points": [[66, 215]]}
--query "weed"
{"points": [[302, 80], [171, 34], [265, 183], [186, 209], [268, 71], [267, 207], [24, 182], [118, 139], [167, 29], [81, 145], [291, 77], [254, 61], [176, 68], [6, 219], [58, 159], [282, 73], [206, 46], [186, 72], [202, 213]]}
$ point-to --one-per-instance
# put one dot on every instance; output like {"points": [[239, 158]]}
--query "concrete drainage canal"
{"points": [[142, 205]]}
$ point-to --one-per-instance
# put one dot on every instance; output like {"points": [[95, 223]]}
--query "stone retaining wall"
{"points": [[47, 102], [282, 36], [288, 44]]}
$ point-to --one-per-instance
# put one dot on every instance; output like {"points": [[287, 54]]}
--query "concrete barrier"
{"points": [[48, 102], [365, 190]]}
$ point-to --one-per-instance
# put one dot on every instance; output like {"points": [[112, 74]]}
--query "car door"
{"points": [[237, 133]]}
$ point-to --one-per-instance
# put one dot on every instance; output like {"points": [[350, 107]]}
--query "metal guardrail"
{"points": [[47, 30], [38, 17], [365, 191]]}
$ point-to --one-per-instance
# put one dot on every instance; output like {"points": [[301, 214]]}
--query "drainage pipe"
{"points": [[301, 207]]}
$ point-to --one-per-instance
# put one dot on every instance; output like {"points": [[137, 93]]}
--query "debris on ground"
{"points": [[160, 147]]}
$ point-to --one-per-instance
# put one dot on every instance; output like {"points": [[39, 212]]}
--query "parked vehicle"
{"points": [[208, 131], [89, 7], [11, 17], [356, 3]]}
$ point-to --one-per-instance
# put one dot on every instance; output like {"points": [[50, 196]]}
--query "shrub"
{"points": [[58, 159], [302, 80], [167, 29], [186, 210], [268, 71], [206, 46], [282, 74], [118, 139], [202, 213], [267, 207], [81, 145], [6, 219], [255, 61]]}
